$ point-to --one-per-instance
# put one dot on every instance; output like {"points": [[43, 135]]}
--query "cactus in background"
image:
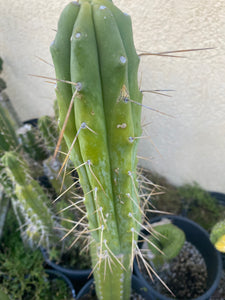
{"points": [[98, 96], [51, 167], [31, 142], [4, 206], [217, 236], [31, 202], [49, 132], [166, 243], [8, 138]]}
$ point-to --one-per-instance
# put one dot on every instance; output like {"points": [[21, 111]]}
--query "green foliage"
{"points": [[165, 196], [23, 276], [189, 199], [200, 206], [16, 263], [3, 296], [22, 273]]}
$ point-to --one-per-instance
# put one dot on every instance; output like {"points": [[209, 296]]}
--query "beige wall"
{"points": [[185, 148]]}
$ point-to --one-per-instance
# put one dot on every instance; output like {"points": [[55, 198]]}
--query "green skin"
{"points": [[170, 241], [31, 201], [94, 49], [8, 138], [49, 132], [32, 143], [217, 232]]}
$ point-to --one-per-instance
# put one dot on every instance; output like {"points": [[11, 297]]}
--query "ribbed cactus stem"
{"points": [[31, 202], [4, 206], [166, 243], [49, 132], [94, 50], [8, 138], [8, 190], [32, 142]]}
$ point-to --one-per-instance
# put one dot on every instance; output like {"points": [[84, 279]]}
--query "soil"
{"points": [[185, 275], [220, 291]]}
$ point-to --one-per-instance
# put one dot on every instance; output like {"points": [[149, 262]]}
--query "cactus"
{"points": [[165, 243], [217, 236], [8, 138], [39, 222], [49, 132], [31, 142], [96, 69], [4, 206]]}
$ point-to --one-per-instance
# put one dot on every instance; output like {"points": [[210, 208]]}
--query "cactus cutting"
{"points": [[97, 92]]}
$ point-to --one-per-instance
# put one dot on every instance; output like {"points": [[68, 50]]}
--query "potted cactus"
{"points": [[217, 236], [196, 269]]}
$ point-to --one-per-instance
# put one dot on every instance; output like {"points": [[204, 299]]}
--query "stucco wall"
{"points": [[190, 146]]}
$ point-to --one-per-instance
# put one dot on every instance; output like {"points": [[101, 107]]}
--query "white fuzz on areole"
{"points": [[123, 59]]}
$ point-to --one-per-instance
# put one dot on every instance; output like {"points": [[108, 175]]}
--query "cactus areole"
{"points": [[96, 68]]}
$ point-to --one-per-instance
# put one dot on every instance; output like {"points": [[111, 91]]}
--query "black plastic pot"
{"points": [[220, 197], [78, 277], [56, 274], [137, 285], [200, 239]]}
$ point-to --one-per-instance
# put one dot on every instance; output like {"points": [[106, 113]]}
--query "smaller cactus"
{"points": [[31, 142], [4, 206], [32, 202], [8, 138], [166, 243], [49, 132], [217, 236]]}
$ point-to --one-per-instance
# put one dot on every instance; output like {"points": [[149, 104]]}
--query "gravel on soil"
{"points": [[185, 275]]}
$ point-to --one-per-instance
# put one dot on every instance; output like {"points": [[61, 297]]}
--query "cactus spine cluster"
{"points": [[96, 69]]}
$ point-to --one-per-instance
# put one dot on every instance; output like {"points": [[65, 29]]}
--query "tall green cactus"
{"points": [[96, 67]]}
